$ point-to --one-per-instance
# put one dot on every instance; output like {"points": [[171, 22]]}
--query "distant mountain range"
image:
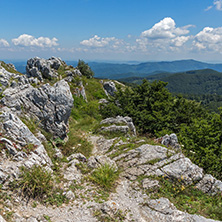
{"points": [[118, 71]]}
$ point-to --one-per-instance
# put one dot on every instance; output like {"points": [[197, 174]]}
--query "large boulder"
{"points": [[49, 105], [43, 68]]}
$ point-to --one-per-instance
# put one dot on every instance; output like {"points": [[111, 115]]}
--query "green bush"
{"points": [[156, 112], [85, 69]]}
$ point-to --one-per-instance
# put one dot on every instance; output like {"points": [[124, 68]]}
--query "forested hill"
{"points": [[206, 81], [117, 71]]}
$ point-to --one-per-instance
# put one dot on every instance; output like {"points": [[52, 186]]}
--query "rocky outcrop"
{"points": [[23, 147], [43, 68], [109, 88], [8, 79], [71, 74], [119, 124], [49, 105]]}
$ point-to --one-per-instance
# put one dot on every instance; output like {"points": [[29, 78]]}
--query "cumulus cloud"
{"points": [[209, 39], [164, 29], [163, 36], [4, 43], [98, 42], [29, 40], [180, 40]]}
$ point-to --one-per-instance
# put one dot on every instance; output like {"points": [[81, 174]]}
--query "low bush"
{"points": [[38, 184], [105, 176]]}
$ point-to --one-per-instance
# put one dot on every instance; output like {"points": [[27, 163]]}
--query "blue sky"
{"points": [[138, 30]]}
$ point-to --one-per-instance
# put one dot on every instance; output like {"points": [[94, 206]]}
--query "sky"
{"points": [[112, 30]]}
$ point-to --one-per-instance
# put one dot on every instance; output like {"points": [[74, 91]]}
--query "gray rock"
{"points": [[72, 173], [58, 153], [127, 125], [210, 185], [43, 68], [31, 219], [163, 210], [12, 66], [170, 140], [109, 88], [50, 105], [70, 195], [80, 91], [97, 161], [150, 184], [17, 130], [183, 169], [103, 101], [115, 129]]}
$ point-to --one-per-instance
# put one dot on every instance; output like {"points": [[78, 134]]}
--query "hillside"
{"points": [[75, 148]]}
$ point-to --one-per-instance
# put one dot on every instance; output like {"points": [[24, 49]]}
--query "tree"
{"points": [[85, 69]]}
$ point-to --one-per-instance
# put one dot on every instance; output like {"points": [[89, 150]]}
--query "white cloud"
{"points": [[180, 40], [98, 42], [4, 43], [208, 8], [29, 40], [218, 4], [163, 36], [209, 39], [164, 29]]}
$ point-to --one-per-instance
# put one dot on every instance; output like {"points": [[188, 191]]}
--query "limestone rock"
{"points": [[184, 169], [43, 68], [109, 88], [170, 140], [80, 91], [50, 105], [18, 132], [150, 184], [209, 185], [119, 124], [97, 161]]}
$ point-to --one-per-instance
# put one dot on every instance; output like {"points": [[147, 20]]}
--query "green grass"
{"points": [[77, 143], [105, 176], [38, 184], [31, 124], [9, 69]]}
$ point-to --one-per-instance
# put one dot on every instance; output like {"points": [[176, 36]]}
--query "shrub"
{"points": [[105, 176], [38, 184]]}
